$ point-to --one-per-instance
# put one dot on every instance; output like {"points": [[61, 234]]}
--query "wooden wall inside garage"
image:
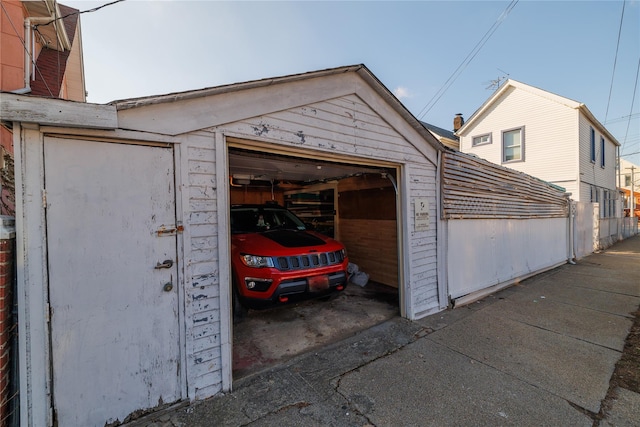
{"points": [[249, 195], [368, 229]]}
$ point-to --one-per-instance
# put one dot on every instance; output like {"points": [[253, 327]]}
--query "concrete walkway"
{"points": [[537, 354]]}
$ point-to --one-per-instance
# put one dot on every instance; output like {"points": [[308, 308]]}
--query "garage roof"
{"points": [[360, 69]]}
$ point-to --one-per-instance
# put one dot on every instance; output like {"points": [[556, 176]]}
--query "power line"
{"points": [[633, 98], [615, 60], [78, 13], [467, 60], [621, 119]]}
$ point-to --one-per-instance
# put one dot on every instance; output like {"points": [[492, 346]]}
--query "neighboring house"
{"points": [[446, 137], [548, 136], [41, 50], [629, 183]]}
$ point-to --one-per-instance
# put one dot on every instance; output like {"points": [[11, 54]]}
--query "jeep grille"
{"points": [[300, 262]]}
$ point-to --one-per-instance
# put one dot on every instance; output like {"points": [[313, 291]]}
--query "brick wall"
{"points": [[7, 245]]}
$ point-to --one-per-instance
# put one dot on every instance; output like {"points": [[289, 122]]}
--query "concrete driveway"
{"points": [[541, 353]]}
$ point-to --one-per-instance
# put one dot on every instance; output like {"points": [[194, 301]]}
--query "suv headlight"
{"points": [[257, 261]]}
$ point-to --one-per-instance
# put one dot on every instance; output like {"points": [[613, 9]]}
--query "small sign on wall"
{"points": [[421, 214]]}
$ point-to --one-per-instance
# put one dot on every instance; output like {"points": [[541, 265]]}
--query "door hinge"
{"points": [[169, 231], [44, 198]]}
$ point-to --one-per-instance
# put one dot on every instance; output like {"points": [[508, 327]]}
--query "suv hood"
{"points": [[282, 242]]}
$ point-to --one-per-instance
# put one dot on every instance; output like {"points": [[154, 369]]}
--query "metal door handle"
{"points": [[167, 263]]}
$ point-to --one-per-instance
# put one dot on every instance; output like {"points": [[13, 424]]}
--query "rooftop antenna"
{"points": [[495, 84]]}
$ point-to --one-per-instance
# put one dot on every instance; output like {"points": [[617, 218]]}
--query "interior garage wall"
{"points": [[368, 226], [248, 195]]}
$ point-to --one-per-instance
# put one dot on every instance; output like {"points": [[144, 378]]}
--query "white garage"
{"points": [[123, 226]]}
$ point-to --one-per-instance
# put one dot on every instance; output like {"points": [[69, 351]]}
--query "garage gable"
{"points": [[186, 112]]}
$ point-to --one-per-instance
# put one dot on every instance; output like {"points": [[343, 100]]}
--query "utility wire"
{"points": [[633, 98], [621, 119], [79, 12], [615, 60], [467, 60]]}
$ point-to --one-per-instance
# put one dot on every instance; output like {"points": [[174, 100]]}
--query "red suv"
{"points": [[276, 260]]}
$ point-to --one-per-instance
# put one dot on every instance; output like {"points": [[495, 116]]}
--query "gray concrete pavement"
{"points": [[536, 354]]}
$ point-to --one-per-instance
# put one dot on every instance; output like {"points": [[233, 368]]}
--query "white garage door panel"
{"points": [[114, 328]]}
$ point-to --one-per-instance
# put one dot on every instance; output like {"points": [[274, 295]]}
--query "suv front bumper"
{"points": [[297, 289]]}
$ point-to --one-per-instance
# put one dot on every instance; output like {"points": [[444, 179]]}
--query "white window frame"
{"points": [[483, 139], [519, 129], [602, 148]]}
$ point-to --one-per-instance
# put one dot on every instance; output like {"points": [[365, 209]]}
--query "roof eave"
{"points": [[584, 110]]}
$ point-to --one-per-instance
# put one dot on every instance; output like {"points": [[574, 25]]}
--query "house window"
{"points": [[513, 145], [593, 146], [627, 180], [602, 152], [481, 139]]}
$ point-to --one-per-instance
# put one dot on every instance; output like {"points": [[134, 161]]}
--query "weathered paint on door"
{"points": [[114, 315]]}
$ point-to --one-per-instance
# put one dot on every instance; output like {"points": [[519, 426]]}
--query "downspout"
{"points": [[29, 48], [572, 256]]}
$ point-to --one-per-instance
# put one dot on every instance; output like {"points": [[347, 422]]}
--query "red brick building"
{"points": [[41, 55]]}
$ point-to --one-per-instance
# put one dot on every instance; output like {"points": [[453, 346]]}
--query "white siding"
{"points": [[592, 173], [202, 284], [346, 128], [550, 135]]}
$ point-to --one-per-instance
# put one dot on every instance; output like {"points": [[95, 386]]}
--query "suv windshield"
{"points": [[256, 219]]}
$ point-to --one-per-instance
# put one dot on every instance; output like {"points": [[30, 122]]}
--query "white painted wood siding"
{"points": [[550, 136], [202, 284], [346, 128]]}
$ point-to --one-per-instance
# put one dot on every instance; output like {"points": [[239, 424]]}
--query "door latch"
{"points": [[167, 263]]}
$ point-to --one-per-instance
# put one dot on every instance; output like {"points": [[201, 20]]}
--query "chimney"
{"points": [[458, 121]]}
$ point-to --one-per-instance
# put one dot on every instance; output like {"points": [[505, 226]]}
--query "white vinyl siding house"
{"points": [[556, 141]]}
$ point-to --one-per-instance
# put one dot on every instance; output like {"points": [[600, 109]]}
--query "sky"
{"points": [[438, 57]]}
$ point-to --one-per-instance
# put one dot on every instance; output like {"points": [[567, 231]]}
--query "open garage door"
{"points": [[354, 203]]}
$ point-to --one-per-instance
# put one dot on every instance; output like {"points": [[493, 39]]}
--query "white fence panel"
{"points": [[489, 252], [586, 233], [629, 227]]}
